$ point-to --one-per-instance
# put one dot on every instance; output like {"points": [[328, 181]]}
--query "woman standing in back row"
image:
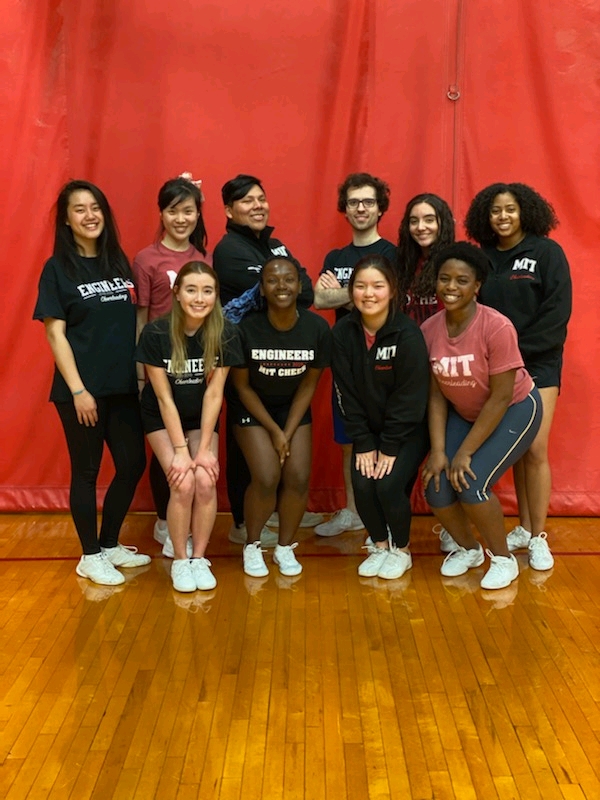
{"points": [[181, 239], [426, 227], [531, 285], [87, 303]]}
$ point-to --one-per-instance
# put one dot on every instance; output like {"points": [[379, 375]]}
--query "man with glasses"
{"points": [[363, 199]]}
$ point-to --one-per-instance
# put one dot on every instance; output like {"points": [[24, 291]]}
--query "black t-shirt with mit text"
{"points": [[99, 313], [277, 361]]}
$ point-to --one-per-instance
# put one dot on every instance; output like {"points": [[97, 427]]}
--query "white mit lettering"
{"points": [[448, 366]]}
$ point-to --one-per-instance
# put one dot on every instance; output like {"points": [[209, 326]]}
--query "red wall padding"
{"points": [[128, 93]]}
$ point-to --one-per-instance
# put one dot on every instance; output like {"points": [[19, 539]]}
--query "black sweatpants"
{"points": [[120, 426], [237, 473], [161, 494], [384, 504]]}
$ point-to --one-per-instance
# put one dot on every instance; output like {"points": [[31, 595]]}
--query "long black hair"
{"points": [[111, 258], [173, 192], [536, 214], [409, 252]]}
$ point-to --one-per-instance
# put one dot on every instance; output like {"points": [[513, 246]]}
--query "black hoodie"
{"points": [[239, 257], [382, 392], [531, 285]]}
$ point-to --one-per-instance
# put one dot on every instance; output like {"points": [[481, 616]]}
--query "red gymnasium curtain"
{"points": [[444, 96]]}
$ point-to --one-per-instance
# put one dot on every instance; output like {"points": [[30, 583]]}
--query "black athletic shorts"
{"points": [[545, 370], [244, 418], [154, 422]]}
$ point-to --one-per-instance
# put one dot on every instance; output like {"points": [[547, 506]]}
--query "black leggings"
{"points": [[120, 426], [384, 504], [237, 473], [159, 486]]}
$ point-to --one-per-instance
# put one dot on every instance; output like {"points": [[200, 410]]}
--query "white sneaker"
{"points": [[462, 560], [502, 572], [396, 564], [540, 556], [98, 569], [254, 562], [286, 560], [309, 520], [182, 575], [168, 551], [161, 531], [372, 564], [204, 578], [518, 538], [447, 543], [124, 555], [240, 536], [342, 520]]}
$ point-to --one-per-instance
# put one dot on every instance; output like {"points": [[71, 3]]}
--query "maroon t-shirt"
{"points": [[155, 269]]}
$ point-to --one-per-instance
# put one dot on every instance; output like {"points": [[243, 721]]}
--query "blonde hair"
{"points": [[210, 334]]}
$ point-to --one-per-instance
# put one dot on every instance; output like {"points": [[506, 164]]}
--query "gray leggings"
{"points": [[511, 439]]}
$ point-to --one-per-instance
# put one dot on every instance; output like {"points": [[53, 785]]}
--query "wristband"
{"points": [[81, 391], [179, 446]]}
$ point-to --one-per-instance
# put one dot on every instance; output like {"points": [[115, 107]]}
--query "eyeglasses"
{"points": [[368, 202]]}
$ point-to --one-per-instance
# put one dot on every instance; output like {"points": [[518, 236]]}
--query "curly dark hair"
{"points": [[358, 179], [467, 252], [537, 214], [409, 252]]}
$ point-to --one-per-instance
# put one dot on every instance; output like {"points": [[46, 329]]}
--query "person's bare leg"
{"points": [[521, 492], [293, 492], [347, 472], [456, 522], [488, 518], [204, 509], [265, 473], [538, 477], [179, 510]]}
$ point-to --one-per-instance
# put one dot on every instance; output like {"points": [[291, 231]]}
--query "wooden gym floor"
{"points": [[325, 686]]}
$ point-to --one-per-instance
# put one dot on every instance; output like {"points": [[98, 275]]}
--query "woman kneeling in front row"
{"points": [[484, 413], [187, 356], [285, 350], [381, 377]]}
